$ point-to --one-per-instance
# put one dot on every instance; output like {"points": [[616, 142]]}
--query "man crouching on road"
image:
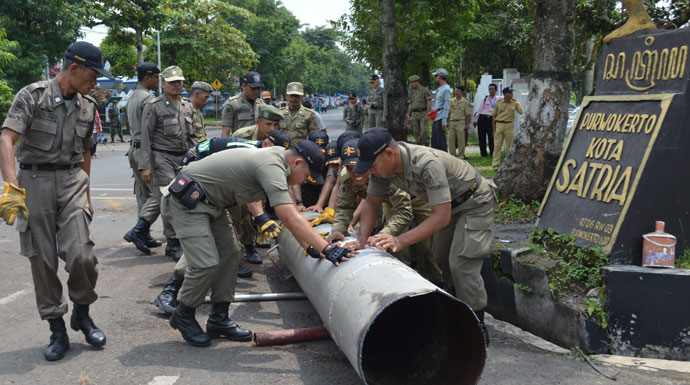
{"points": [[195, 203]]}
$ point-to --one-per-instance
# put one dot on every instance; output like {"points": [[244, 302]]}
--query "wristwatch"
{"points": [[298, 202]]}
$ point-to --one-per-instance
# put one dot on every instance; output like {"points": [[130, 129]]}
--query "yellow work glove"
{"points": [[328, 216], [12, 201], [267, 227], [262, 239]]}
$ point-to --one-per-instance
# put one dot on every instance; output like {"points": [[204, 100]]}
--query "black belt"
{"points": [[467, 194], [136, 144], [173, 153], [503, 121], [418, 109], [48, 166], [373, 108]]}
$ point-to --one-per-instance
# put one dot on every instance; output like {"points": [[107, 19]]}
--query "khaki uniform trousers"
{"points": [[147, 207], [503, 131], [181, 265], [456, 132], [419, 127], [164, 168], [211, 251], [243, 222], [59, 226], [375, 117], [461, 246]]}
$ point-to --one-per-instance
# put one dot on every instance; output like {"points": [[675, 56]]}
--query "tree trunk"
{"points": [[530, 163], [392, 73], [140, 46]]}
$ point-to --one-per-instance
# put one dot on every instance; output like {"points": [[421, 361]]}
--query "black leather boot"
{"points": [[173, 249], [167, 299], [184, 319], [136, 236], [219, 324], [150, 241], [81, 320], [59, 341], [482, 326], [252, 256], [244, 272]]}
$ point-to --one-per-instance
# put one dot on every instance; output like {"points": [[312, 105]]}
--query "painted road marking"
{"points": [[164, 380], [12, 297], [111, 189]]}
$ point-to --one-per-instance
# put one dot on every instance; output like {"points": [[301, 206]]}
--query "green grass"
{"points": [[211, 121], [483, 165], [683, 260], [513, 210]]}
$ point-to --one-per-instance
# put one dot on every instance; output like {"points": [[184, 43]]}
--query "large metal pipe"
{"points": [[394, 326]]}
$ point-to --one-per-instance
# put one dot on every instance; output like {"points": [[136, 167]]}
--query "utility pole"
{"points": [[158, 34]]}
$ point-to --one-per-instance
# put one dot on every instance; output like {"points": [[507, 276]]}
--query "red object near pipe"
{"points": [[289, 336]]}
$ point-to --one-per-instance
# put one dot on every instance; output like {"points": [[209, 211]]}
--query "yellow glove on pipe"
{"points": [[328, 216]]}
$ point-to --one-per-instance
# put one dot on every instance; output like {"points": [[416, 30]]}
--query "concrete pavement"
{"points": [[143, 349]]}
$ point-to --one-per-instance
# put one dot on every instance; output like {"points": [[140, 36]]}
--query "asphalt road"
{"points": [[143, 349]]}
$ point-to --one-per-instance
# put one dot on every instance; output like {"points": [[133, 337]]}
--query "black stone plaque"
{"points": [[624, 164]]}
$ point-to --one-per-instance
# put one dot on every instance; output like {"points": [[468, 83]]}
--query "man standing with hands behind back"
{"points": [[51, 192], [417, 111], [441, 106], [167, 133]]}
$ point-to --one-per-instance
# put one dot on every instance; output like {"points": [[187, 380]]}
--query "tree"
{"points": [[392, 72], [44, 29], [143, 16], [199, 40], [118, 50], [6, 58], [528, 167]]}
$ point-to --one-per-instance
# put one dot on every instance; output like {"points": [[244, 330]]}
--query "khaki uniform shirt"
{"points": [[50, 131], [377, 95], [299, 126], [355, 114], [242, 176], [418, 98], [250, 132], [165, 127], [135, 110], [430, 174], [396, 202], [459, 109], [238, 112], [504, 112], [199, 125]]}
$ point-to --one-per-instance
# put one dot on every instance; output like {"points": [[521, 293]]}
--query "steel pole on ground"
{"points": [[394, 326]]}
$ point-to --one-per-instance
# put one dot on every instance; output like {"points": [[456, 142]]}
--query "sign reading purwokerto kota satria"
{"points": [[624, 162]]}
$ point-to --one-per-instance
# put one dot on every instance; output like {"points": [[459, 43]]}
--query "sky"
{"points": [[310, 12]]}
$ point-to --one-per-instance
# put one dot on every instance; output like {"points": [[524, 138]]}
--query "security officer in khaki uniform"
{"points": [[353, 114], [196, 202], [267, 121], [504, 124], [462, 208], [148, 208], [115, 123], [240, 110], [167, 132], [418, 107], [167, 299], [198, 95], [378, 107], [458, 122], [54, 120], [298, 121], [399, 209]]}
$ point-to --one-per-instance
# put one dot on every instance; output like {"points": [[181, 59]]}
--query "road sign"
{"points": [[216, 84]]}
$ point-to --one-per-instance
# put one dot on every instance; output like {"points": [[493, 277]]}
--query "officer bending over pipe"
{"points": [[196, 202]]}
